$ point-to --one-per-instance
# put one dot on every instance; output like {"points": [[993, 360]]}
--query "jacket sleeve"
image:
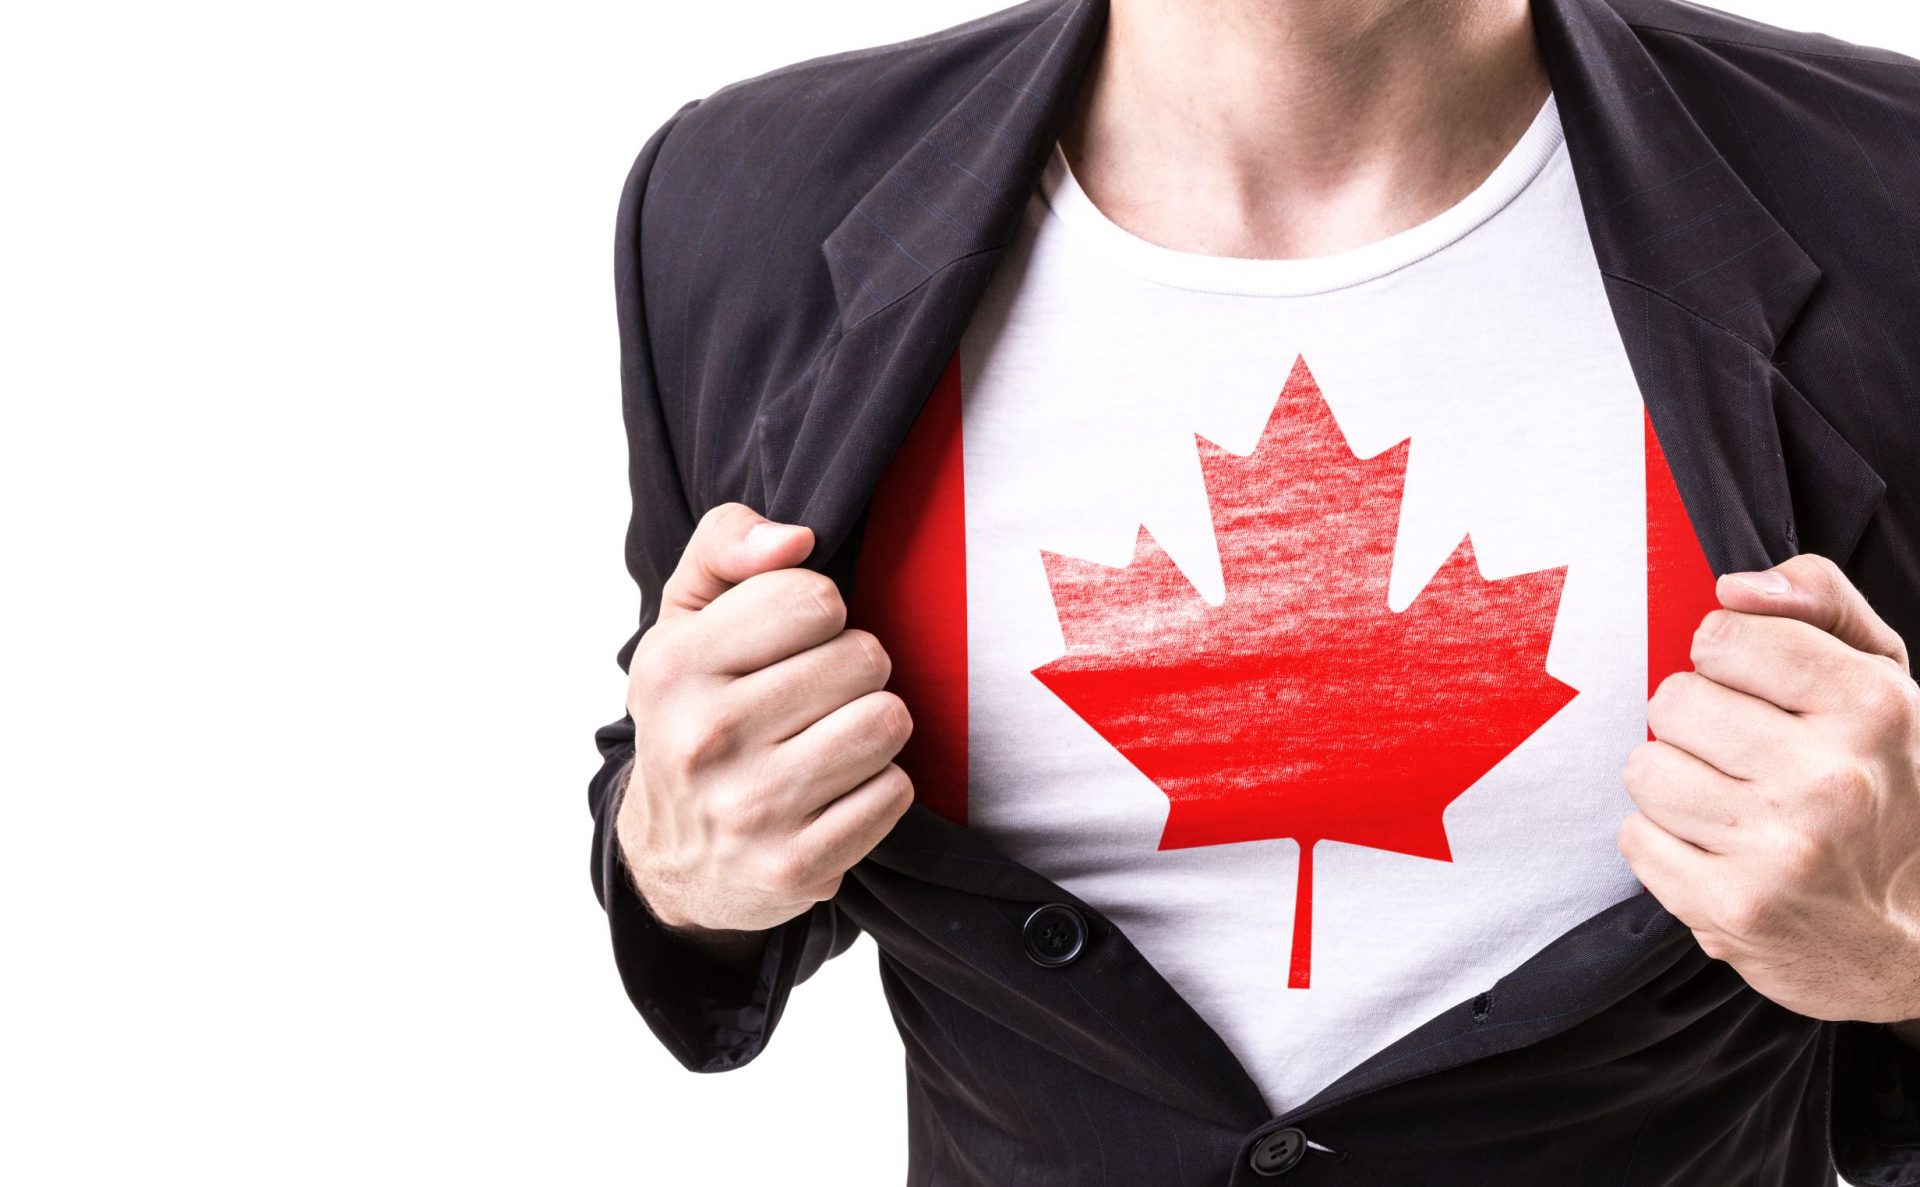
{"points": [[712, 1016], [1876, 1106]]}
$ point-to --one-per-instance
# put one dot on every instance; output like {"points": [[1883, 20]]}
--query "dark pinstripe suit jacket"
{"points": [[796, 257]]}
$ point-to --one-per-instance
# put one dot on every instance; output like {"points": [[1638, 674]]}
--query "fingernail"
{"points": [[768, 535], [1767, 581]]}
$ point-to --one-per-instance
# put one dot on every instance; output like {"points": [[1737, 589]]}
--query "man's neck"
{"points": [[1300, 128]]}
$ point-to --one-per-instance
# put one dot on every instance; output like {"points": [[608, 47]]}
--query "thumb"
{"points": [[731, 543], [1815, 591]]}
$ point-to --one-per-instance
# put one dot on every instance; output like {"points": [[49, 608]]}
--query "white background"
{"points": [[313, 488]]}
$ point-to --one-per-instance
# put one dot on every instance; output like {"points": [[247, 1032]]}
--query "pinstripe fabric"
{"points": [[813, 241]]}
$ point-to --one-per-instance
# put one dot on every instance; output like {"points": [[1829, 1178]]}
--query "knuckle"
{"points": [[1713, 632], [1746, 914], [659, 660], [702, 740], [826, 593], [1901, 657], [718, 809], [896, 722], [1713, 944], [644, 670], [900, 784], [889, 784], [1799, 856], [1811, 569], [1641, 764], [1668, 688], [1627, 837], [787, 872], [1844, 783], [1824, 567], [743, 808], [813, 598], [872, 656], [719, 515], [724, 715], [1890, 699], [1669, 698]]}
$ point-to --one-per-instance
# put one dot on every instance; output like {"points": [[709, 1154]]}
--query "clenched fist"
{"points": [[763, 737], [1778, 808]]}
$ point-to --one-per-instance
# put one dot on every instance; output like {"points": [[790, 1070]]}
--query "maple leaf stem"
{"points": [[1302, 919]]}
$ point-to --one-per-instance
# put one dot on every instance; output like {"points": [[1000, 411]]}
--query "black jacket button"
{"points": [[1277, 1153], [1055, 934]]}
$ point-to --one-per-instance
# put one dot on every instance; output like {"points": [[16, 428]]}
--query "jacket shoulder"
{"points": [[1712, 27], [895, 61], [898, 86], [1819, 128], [773, 162], [1775, 101]]}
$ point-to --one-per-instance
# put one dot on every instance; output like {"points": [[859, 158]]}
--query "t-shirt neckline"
{"points": [[1311, 275]]}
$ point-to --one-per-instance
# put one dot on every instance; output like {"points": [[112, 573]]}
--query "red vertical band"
{"points": [[1679, 579], [910, 590]]}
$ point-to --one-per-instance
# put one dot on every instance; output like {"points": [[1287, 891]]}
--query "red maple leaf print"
{"points": [[1303, 706]]}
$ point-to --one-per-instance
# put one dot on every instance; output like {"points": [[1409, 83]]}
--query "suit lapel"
{"points": [[910, 261], [961, 189], [1704, 284]]}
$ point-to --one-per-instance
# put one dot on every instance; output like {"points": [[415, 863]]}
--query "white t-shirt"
{"points": [[1195, 566]]}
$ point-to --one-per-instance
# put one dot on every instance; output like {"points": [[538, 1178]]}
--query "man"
{"points": [[1330, 582]]}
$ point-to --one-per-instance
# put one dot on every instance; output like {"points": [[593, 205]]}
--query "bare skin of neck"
{"points": [[1281, 129]]}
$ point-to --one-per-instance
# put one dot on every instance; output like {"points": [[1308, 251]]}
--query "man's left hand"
{"points": [[1779, 802]]}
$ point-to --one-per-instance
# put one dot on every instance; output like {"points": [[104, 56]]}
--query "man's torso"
{"points": [[1396, 620]]}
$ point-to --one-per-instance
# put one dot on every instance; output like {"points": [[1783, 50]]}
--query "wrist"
{"points": [[739, 949]]}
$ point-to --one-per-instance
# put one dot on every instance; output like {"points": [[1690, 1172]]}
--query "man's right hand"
{"points": [[763, 737]]}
